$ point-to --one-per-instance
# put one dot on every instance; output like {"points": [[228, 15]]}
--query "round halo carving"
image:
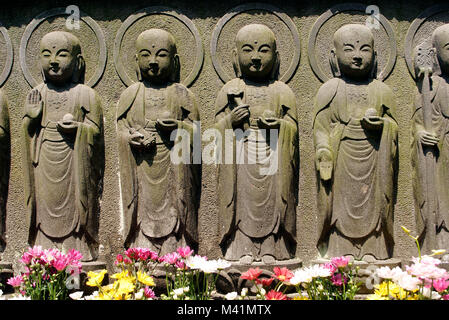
{"points": [[420, 31], [53, 13], [188, 79], [385, 37], [9, 56], [281, 17]]}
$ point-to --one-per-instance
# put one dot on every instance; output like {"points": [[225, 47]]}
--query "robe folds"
{"points": [[440, 126], [71, 166], [279, 191], [5, 159], [358, 200], [159, 197]]}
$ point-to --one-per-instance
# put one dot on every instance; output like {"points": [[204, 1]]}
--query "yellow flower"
{"points": [[121, 275], [375, 297], [125, 286], [95, 278], [301, 298], [437, 252], [145, 279]]}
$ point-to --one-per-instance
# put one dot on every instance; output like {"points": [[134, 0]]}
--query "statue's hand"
{"points": [[34, 104], [324, 163], [68, 124], [167, 124], [427, 138], [239, 114], [136, 139], [269, 122], [374, 123]]}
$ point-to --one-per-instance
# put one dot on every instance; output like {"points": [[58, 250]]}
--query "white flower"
{"points": [[92, 296], [244, 292], [426, 260], [195, 262], [427, 292], [407, 282], [222, 264], [231, 295], [186, 289], [318, 271], [139, 294], [209, 266], [179, 291], [76, 295], [387, 273], [300, 276], [19, 297]]}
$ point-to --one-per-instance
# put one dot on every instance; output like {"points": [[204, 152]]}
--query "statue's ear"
{"points": [[436, 68], [80, 70], [43, 74], [139, 75], [176, 69], [277, 63], [334, 64], [235, 64], [373, 74]]}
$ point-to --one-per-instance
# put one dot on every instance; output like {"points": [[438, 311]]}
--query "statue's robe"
{"points": [[159, 197], [355, 207], [257, 211], [440, 124], [63, 176], [5, 164]]}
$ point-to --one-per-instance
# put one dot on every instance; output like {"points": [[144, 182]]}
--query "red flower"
{"points": [[251, 274], [282, 274], [265, 282], [275, 295]]}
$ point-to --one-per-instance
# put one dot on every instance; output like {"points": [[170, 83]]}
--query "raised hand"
{"points": [[239, 114], [34, 104]]}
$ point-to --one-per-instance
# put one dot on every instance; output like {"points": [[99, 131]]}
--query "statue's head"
{"points": [[255, 54], [440, 44], [353, 55], [61, 58], [157, 58]]}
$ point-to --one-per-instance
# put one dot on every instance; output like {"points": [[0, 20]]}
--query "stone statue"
{"points": [[64, 151], [159, 196], [5, 158], [430, 143], [355, 140], [257, 207]]}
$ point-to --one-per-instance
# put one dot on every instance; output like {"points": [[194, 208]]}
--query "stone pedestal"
{"points": [[229, 279], [6, 272], [366, 271]]}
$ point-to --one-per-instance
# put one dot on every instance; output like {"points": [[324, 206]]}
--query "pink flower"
{"points": [[118, 259], [170, 258], [330, 266], [148, 293], [33, 253], [275, 295], [185, 252], [60, 261], [265, 282], [440, 284], [153, 256], [180, 265], [338, 279], [340, 262], [446, 297], [282, 274], [251, 274], [15, 281]]}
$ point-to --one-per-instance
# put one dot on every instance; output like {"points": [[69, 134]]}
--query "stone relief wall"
{"points": [[204, 38]]}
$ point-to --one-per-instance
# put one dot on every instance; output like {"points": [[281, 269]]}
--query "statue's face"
{"points": [[57, 58], [441, 44], [256, 51], [354, 48], [155, 56]]}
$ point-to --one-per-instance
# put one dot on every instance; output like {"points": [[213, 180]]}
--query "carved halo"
{"points": [[34, 24], [9, 56], [315, 65], [224, 76], [156, 10], [417, 24]]}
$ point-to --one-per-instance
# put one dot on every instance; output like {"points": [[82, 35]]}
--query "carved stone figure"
{"points": [[257, 207], [430, 143], [64, 152], [5, 158], [355, 139], [160, 196]]}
